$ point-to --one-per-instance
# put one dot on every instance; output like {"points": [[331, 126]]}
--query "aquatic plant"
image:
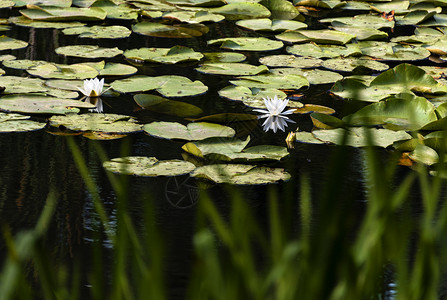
{"points": [[275, 114]]}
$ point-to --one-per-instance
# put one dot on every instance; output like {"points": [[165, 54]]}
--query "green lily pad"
{"points": [[307, 138], [192, 132], [328, 4], [358, 136], [398, 112], [324, 51], [247, 44], [7, 3], [165, 106], [291, 61], [270, 25], [326, 121], [116, 69], [362, 21], [323, 36], [414, 17], [64, 14], [282, 10], [399, 7], [193, 17], [172, 55], [424, 154], [363, 34], [194, 3], [269, 81], [148, 166], [251, 97], [314, 76], [122, 11], [60, 71], [88, 51], [215, 145], [242, 10], [25, 22], [31, 104], [18, 123], [352, 64], [231, 69], [240, 174], [401, 79], [99, 32], [169, 31], [55, 3], [393, 51], [7, 43], [111, 123], [17, 85], [223, 57], [168, 86], [22, 64]]}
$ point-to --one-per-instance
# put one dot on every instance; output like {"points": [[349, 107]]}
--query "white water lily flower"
{"points": [[93, 87], [276, 118]]}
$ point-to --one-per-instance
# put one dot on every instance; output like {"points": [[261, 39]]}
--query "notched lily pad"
{"points": [[242, 10], [241, 174], [112, 123], [169, 31], [148, 166], [88, 51], [223, 57], [7, 43], [60, 71], [192, 131], [352, 64], [193, 17], [18, 123], [99, 32], [64, 14], [165, 106], [324, 51], [290, 61], [251, 97], [314, 76], [231, 69], [247, 44], [25, 22], [323, 36], [30, 104], [271, 25], [272, 81], [176, 54]]}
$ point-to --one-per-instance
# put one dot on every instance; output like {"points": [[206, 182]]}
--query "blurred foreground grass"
{"points": [[237, 258]]}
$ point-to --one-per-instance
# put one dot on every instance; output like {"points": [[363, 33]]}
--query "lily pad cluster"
{"points": [[253, 50]]}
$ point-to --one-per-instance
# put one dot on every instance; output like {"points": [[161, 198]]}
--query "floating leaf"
{"points": [[193, 17], [270, 25], [115, 69], [7, 43], [172, 55], [97, 122], [352, 64], [242, 10], [25, 22], [165, 106], [60, 71], [314, 76], [252, 97], [31, 104], [363, 34], [272, 81], [358, 136], [362, 21], [64, 14], [88, 51], [215, 145], [231, 69], [324, 51], [99, 32], [323, 36], [169, 31], [22, 64], [148, 166], [328, 4], [192, 132], [223, 57], [424, 154], [18, 123], [325, 121], [314, 108], [240, 174], [282, 10], [290, 61], [247, 44], [17, 85]]}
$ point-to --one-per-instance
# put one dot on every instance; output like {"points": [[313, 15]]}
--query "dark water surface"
{"points": [[32, 163]]}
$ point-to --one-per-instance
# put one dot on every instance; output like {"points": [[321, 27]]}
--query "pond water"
{"points": [[34, 162]]}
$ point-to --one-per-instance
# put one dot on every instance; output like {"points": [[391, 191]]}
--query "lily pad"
{"points": [[251, 97], [324, 51], [148, 166], [25, 22], [358, 136], [271, 25], [31, 104], [192, 131], [169, 31], [97, 122], [242, 10], [168, 86], [60, 71], [363, 34], [17, 85], [323, 36], [328, 4], [18, 123], [88, 51], [352, 64], [362, 21], [193, 17], [241, 174], [223, 57], [398, 112], [22, 64], [64, 14], [165, 106], [231, 69], [424, 154], [172, 55], [99, 32], [247, 44], [7, 43], [291, 61], [116, 69], [314, 76], [215, 145], [269, 81]]}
